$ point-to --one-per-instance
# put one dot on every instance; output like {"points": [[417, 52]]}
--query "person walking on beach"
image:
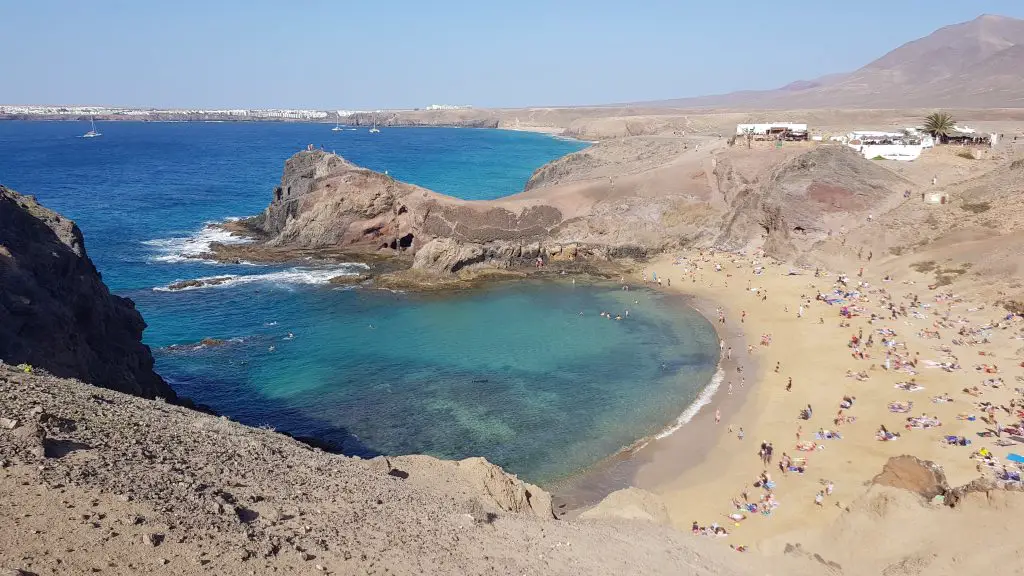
{"points": [[789, 385], [718, 415], [800, 311], [740, 434], [730, 388], [728, 353], [818, 498]]}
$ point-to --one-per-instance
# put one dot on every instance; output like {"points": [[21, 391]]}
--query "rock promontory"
{"points": [[55, 311], [625, 199]]}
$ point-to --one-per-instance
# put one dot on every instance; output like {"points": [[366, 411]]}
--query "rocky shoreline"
{"points": [[601, 209]]}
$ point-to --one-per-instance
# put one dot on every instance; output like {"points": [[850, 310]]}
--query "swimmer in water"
{"points": [[290, 336], [271, 349]]}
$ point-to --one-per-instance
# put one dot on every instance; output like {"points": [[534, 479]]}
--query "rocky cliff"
{"points": [[627, 198], [55, 311], [326, 202]]}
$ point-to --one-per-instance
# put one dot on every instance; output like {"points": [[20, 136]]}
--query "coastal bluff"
{"points": [[326, 202], [55, 311], [621, 200]]}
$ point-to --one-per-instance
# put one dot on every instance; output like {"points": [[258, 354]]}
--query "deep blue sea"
{"points": [[513, 372]]}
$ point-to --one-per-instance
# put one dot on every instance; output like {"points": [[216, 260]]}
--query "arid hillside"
{"points": [[972, 64]]}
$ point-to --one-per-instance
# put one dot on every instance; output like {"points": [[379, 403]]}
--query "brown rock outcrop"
{"points": [[801, 200], [55, 311], [909, 473], [326, 202]]}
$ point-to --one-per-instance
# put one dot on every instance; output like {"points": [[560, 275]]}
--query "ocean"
{"points": [[528, 375]]}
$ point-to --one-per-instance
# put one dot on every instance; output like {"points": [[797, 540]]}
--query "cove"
{"points": [[511, 372]]}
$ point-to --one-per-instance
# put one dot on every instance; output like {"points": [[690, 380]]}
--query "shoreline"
{"points": [[668, 453]]}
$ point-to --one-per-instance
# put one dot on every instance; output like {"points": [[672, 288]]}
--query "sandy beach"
{"points": [[703, 468]]}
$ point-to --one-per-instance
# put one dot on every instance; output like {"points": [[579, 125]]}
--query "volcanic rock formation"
{"points": [[55, 311], [583, 207]]}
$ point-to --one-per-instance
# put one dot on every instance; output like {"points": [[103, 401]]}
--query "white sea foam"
{"points": [[188, 248], [703, 399], [290, 276]]}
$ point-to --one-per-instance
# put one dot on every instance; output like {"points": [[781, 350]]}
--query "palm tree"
{"points": [[939, 125]]}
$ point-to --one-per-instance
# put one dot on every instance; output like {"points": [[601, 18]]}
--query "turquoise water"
{"points": [[512, 372]]}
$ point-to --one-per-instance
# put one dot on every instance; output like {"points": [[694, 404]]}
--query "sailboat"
{"points": [[374, 130], [337, 125], [92, 133]]}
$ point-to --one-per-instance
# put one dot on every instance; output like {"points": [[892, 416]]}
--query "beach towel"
{"points": [[901, 407], [1013, 457]]}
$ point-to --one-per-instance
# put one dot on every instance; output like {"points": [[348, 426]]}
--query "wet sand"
{"points": [[652, 461]]}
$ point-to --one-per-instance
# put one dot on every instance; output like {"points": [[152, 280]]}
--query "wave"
{"points": [[571, 139], [189, 248], [297, 275], [703, 399]]}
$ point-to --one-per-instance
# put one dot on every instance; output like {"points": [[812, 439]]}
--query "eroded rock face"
{"points": [[55, 311], [508, 492], [801, 200], [909, 473], [327, 202]]}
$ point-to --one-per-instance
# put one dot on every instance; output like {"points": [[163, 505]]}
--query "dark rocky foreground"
{"points": [[55, 311]]}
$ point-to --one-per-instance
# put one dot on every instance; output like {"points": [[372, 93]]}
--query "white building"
{"points": [[447, 107], [903, 146], [769, 128]]}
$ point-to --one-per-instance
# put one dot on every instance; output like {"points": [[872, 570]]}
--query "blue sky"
{"points": [[405, 53]]}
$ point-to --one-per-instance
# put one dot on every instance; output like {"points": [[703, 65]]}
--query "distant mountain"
{"points": [[976, 64]]}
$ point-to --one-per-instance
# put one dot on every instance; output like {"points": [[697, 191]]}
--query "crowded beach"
{"points": [[851, 369]]}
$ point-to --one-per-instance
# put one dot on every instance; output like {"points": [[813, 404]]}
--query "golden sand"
{"points": [[817, 357]]}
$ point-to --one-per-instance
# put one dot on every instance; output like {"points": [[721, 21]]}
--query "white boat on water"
{"points": [[374, 130], [92, 133], [337, 124]]}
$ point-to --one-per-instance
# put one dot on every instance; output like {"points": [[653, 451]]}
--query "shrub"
{"points": [[1017, 164], [976, 208], [878, 158], [966, 154], [924, 267]]}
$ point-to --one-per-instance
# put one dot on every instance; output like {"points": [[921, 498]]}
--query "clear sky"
{"points": [[410, 53]]}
